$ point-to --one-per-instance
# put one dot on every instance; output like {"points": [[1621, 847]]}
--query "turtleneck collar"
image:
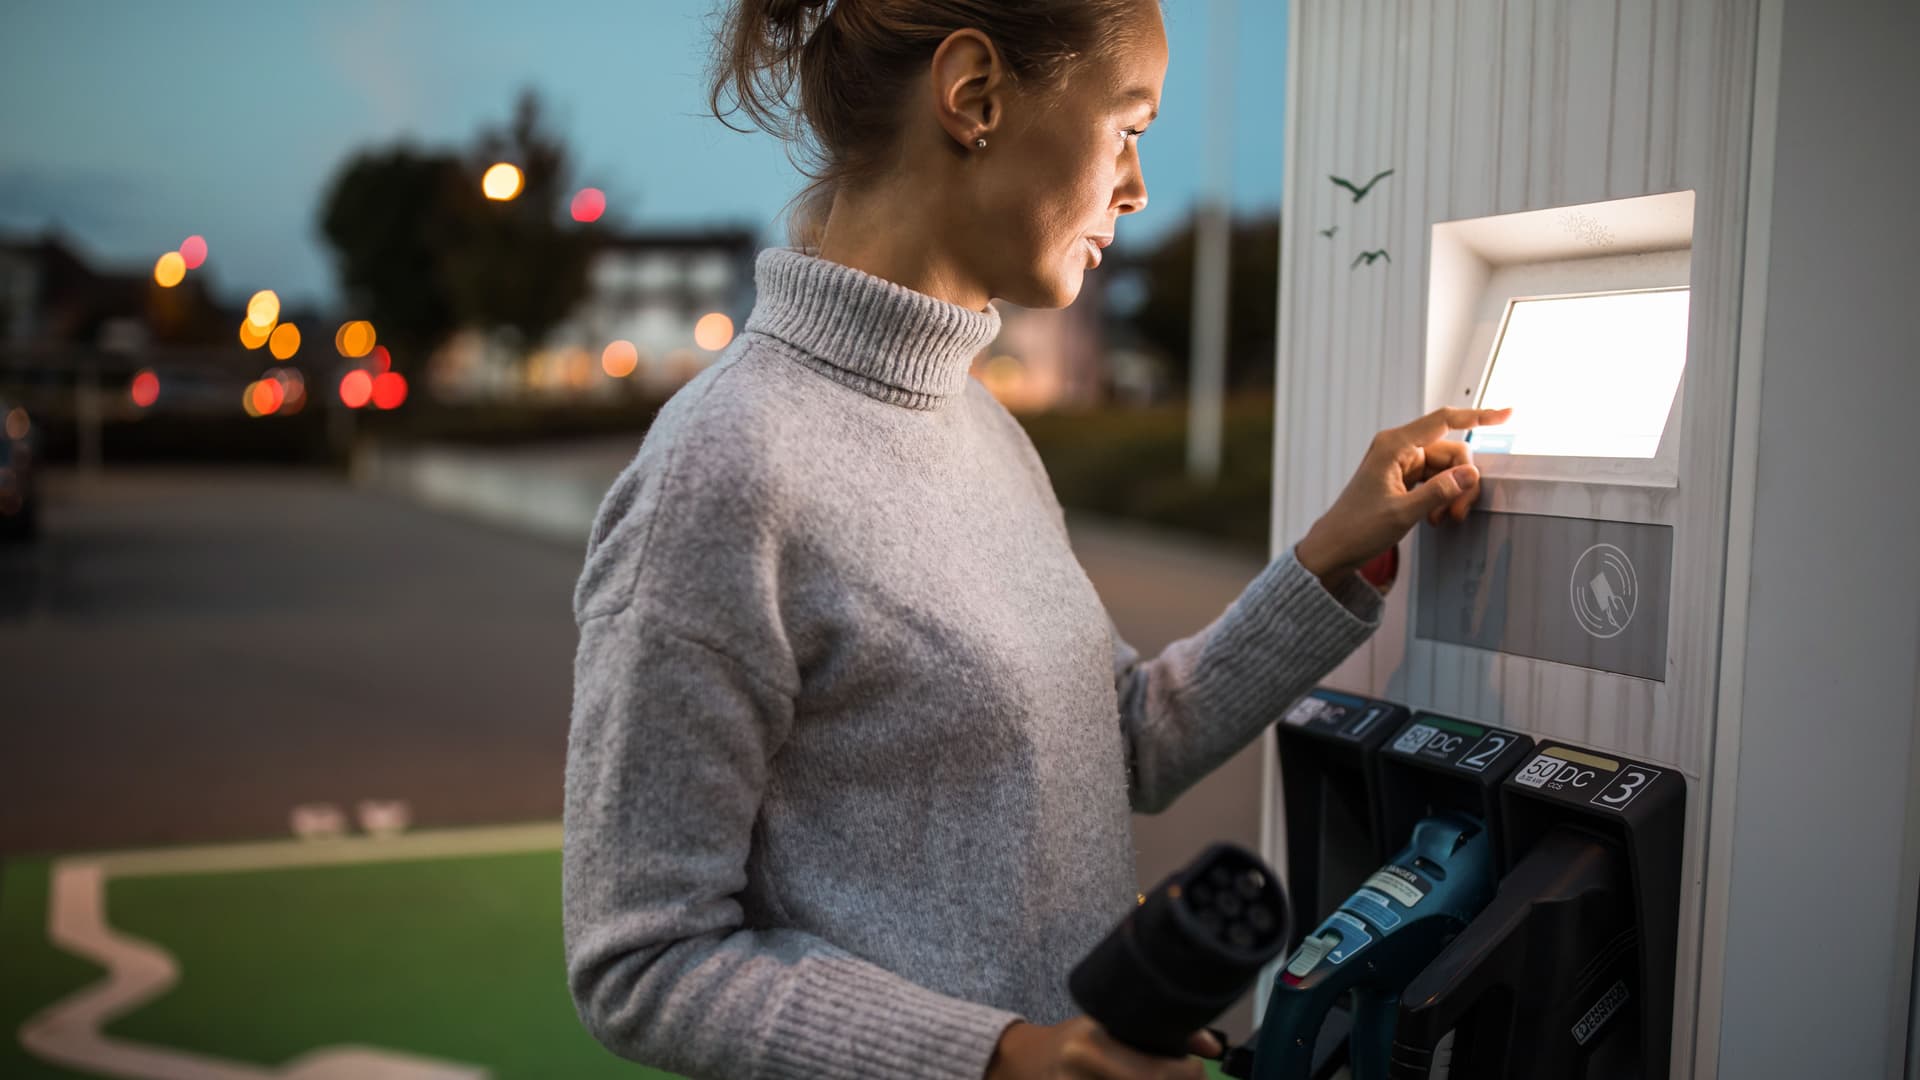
{"points": [[883, 339]]}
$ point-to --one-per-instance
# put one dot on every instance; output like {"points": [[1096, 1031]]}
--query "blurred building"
{"points": [[51, 296], [1079, 356], [640, 328]]}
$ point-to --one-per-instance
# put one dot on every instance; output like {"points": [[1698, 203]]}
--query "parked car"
{"points": [[19, 494]]}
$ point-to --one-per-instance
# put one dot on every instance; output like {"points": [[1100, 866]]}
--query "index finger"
{"points": [[1442, 420]]}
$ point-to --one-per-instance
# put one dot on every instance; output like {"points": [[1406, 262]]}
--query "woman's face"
{"points": [[1070, 168]]}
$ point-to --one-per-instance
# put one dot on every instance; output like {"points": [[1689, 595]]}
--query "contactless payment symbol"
{"points": [[1605, 590]]}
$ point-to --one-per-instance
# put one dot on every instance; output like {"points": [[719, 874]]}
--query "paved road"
{"points": [[186, 655]]}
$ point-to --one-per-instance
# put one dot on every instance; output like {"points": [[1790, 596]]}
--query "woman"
{"points": [[854, 744]]}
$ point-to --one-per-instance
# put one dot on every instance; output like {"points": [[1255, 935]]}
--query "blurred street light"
{"points": [[263, 310], [354, 339], [356, 388], [254, 336], [619, 359], [713, 332], [589, 204], [194, 251], [389, 390], [501, 182], [18, 424], [146, 388], [170, 270], [284, 341]]}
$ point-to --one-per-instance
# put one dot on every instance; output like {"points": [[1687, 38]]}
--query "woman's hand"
{"points": [[1080, 1049], [1409, 473]]}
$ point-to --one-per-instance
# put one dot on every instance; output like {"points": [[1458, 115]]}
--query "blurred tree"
{"points": [[1166, 319], [517, 267], [422, 252], [392, 217]]}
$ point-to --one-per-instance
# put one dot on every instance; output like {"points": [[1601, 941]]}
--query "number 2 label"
{"points": [[1627, 783], [1484, 753]]}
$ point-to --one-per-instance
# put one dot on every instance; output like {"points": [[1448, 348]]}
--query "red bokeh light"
{"points": [[356, 389], [194, 251], [589, 204], [382, 359], [268, 395], [146, 389], [389, 390]]}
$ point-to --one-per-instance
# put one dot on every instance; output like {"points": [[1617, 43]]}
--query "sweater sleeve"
{"points": [[1188, 710]]}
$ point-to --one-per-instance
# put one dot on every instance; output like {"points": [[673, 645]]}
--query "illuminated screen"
{"points": [[1587, 376]]}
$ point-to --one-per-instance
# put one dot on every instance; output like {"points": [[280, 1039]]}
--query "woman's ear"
{"points": [[969, 83]]}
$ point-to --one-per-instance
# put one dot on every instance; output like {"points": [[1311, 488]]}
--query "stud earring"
{"points": [[980, 144]]}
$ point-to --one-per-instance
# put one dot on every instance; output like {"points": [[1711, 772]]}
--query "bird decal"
{"points": [[1359, 192], [1368, 257], [1329, 231]]}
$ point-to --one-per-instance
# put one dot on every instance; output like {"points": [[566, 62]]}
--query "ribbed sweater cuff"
{"points": [[1287, 629], [846, 1019]]}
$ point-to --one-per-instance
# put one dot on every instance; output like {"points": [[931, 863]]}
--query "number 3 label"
{"points": [[1629, 782]]}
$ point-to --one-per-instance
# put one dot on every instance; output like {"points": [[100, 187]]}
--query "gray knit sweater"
{"points": [[854, 743]]}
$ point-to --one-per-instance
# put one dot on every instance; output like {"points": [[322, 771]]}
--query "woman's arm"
{"points": [[1188, 710]]}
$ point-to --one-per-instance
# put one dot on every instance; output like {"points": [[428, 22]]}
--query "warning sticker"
{"points": [[1403, 885], [1310, 953]]}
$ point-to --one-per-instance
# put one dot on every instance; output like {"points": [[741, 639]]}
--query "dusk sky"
{"points": [[133, 125]]}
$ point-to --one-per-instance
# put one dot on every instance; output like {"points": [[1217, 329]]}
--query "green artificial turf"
{"points": [[455, 958]]}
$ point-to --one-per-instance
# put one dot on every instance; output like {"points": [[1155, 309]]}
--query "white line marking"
{"points": [[68, 1032]]}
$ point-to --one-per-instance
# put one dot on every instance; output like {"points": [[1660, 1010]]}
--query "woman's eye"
{"points": [[1127, 133]]}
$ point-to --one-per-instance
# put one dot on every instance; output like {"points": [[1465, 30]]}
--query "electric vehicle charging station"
{"points": [[1618, 217]]}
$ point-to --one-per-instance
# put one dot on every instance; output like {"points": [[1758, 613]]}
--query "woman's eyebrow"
{"points": [[1145, 94]]}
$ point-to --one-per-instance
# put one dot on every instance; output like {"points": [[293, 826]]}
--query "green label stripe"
{"points": [[1458, 727]]}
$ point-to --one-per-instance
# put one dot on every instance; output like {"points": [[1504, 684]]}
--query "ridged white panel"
{"points": [[1498, 106]]}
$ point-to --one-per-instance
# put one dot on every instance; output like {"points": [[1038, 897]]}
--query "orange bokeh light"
{"points": [[254, 336], [389, 390], [193, 250], [356, 389], [619, 359], [354, 339], [713, 332], [170, 270], [284, 341], [146, 388]]}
